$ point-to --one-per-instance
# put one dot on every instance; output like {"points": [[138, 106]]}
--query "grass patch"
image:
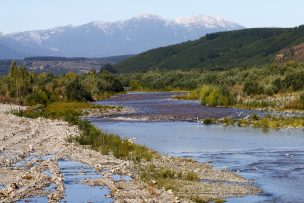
{"points": [[192, 95], [165, 177], [90, 135], [261, 104], [266, 122], [198, 199], [180, 182], [296, 104]]}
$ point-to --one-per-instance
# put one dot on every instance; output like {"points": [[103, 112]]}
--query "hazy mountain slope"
{"points": [[24, 49], [7, 52], [99, 39], [225, 49]]}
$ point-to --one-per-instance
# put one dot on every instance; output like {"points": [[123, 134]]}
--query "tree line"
{"points": [[24, 87], [30, 88]]}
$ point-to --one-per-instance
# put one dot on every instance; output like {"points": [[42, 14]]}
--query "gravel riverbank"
{"points": [[29, 147]]}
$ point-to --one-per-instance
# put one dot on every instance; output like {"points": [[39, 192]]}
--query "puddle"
{"points": [[48, 173], [34, 200], [48, 157], [23, 162], [84, 193], [75, 172], [121, 178], [51, 188], [75, 191]]}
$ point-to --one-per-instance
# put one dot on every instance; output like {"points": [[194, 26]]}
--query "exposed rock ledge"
{"points": [[23, 137]]}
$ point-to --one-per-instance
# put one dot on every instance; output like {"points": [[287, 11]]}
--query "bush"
{"points": [[39, 97], [215, 96], [252, 88], [134, 85], [108, 67], [76, 92], [294, 81], [208, 121]]}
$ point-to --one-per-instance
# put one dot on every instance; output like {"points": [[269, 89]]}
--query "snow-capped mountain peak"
{"points": [[148, 16], [100, 25], [99, 38], [205, 21]]}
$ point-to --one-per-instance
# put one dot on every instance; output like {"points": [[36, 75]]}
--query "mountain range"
{"points": [[101, 39]]}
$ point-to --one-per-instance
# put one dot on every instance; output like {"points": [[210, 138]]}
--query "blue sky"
{"points": [[20, 15]]}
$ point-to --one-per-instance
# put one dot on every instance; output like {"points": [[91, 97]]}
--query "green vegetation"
{"points": [[162, 176], [177, 181], [266, 122], [23, 87], [241, 48], [296, 104], [169, 179], [215, 96], [267, 87], [208, 121], [210, 96], [198, 199]]}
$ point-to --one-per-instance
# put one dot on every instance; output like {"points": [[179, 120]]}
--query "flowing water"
{"points": [[160, 106], [273, 159]]}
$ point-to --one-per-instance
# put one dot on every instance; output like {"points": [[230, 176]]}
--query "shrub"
{"points": [[215, 96], [251, 88], [108, 67], [134, 85], [208, 121], [76, 92], [34, 98], [294, 81]]}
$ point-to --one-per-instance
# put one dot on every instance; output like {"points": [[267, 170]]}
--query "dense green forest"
{"points": [[241, 48]]}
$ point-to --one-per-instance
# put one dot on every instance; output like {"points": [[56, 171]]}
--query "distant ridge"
{"points": [[102, 39], [247, 47], [62, 65]]}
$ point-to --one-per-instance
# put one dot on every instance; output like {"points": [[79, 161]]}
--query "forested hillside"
{"points": [[248, 47]]}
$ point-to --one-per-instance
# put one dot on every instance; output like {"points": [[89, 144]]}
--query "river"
{"points": [[274, 160]]}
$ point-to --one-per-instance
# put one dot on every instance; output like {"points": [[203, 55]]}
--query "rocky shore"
{"points": [[29, 147]]}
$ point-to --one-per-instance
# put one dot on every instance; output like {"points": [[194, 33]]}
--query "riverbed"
{"points": [[273, 160]]}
